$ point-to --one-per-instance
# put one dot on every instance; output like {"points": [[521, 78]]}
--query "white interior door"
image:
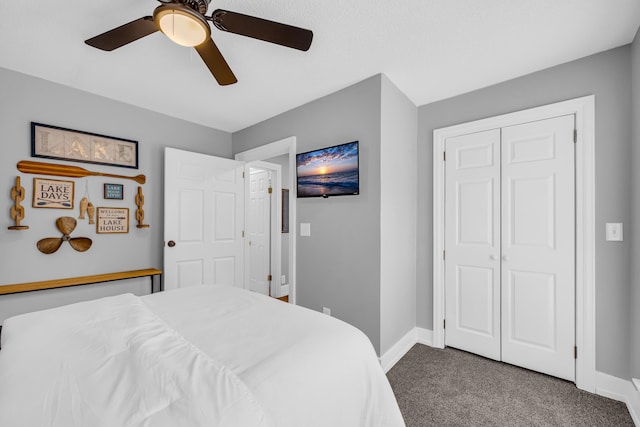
{"points": [[258, 230], [538, 246], [472, 233], [510, 245], [204, 219]]}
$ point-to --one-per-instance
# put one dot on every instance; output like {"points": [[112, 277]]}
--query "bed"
{"points": [[198, 356]]}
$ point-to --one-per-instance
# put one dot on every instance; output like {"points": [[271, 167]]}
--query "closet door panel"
{"points": [[472, 245], [538, 260]]}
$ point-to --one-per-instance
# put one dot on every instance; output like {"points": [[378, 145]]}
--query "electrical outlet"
{"points": [[283, 279], [326, 311]]}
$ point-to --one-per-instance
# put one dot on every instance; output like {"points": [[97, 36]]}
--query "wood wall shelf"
{"points": [[82, 280]]}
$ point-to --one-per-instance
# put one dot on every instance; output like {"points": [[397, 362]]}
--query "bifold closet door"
{"points": [[472, 242], [510, 245], [538, 246]]}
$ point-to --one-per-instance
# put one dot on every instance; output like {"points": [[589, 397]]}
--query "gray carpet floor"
{"points": [[450, 387]]}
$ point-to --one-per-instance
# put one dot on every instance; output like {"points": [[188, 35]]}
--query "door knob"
{"points": [[493, 257], [506, 257], [171, 243]]}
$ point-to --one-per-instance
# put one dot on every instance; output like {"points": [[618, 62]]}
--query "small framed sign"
{"points": [[112, 220], [114, 191], [52, 193]]}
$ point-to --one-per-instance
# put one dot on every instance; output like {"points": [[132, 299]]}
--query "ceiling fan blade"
{"points": [[216, 63], [124, 34], [262, 29]]}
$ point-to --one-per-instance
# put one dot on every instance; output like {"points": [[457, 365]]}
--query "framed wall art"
{"points": [[52, 193], [113, 191], [52, 142], [112, 220]]}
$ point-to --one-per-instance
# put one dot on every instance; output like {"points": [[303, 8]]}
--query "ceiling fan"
{"points": [[185, 23]]}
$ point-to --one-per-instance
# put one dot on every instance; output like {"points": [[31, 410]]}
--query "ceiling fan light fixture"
{"points": [[182, 25]]}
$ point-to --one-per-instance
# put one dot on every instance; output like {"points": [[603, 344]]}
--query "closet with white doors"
{"points": [[509, 240]]}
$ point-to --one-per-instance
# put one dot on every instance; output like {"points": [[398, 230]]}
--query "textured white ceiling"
{"points": [[431, 49]]}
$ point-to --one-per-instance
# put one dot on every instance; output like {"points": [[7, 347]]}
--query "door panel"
{"points": [[531, 211], [475, 305], [204, 210], [538, 246], [259, 231], [472, 228], [224, 269], [532, 309], [476, 196], [190, 221]]}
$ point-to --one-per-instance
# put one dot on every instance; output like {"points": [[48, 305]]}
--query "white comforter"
{"points": [[199, 356]]}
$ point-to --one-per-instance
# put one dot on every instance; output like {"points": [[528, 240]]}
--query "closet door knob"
{"points": [[493, 257], [506, 258], [171, 243]]}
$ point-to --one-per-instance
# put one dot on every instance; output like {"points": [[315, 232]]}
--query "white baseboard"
{"points": [[425, 336], [399, 349], [284, 290], [621, 390]]}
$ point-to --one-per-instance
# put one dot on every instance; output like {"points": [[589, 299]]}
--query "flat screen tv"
{"points": [[331, 171]]}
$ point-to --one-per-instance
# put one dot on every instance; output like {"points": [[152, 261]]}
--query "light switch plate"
{"points": [[305, 229], [614, 232]]}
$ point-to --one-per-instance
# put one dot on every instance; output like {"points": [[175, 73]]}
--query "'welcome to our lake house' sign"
{"points": [[112, 220]]}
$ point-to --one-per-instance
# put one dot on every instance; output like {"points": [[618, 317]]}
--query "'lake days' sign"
{"points": [[52, 193]]}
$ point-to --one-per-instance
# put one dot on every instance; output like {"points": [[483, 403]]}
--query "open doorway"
{"points": [[283, 153], [263, 218]]}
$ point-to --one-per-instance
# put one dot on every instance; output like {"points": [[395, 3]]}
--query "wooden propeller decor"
{"points": [[66, 225], [40, 168]]}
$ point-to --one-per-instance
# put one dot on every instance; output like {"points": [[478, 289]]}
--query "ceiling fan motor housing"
{"points": [[200, 6]]}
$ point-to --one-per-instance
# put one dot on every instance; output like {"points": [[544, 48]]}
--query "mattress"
{"points": [[203, 355]]}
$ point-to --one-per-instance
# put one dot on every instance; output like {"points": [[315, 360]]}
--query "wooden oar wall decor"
{"points": [[40, 168]]}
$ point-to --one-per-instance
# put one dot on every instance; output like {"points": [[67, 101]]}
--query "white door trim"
{"points": [[584, 110], [267, 151]]}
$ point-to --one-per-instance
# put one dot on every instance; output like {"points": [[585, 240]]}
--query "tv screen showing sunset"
{"points": [[331, 171]]}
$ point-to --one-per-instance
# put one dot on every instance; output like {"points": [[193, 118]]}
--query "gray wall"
{"points": [[608, 76], [337, 267], [634, 230], [25, 99], [398, 209]]}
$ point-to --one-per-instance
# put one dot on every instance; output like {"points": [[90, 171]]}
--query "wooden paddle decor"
{"points": [[39, 168], [66, 225]]}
